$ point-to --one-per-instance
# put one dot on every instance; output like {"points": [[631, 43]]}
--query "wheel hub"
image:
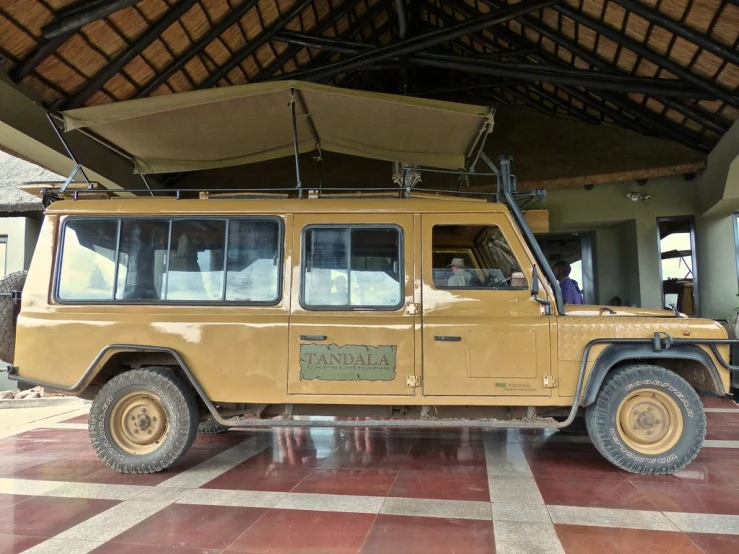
{"points": [[649, 421], [138, 423]]}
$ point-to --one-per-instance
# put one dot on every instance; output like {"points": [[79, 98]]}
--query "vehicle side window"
{"points": [[178, 260], [88, 266], [474, 257], [352, 267]]}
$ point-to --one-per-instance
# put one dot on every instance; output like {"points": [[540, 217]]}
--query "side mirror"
{"points": [[535, 292], [535, 282]]}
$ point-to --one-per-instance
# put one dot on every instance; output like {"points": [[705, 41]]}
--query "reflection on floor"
{"points": [[368, 490]]}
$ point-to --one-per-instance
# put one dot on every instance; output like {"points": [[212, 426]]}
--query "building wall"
{"points": [[21, 233], [627, 246]]}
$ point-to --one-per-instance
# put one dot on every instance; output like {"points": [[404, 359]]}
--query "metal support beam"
{"points": [[215, 32], [43, 50], [680, 29], [80, 14], [641, 115], [243, 53], [150, 35], [334, 17], [654, 57], [427, 40]]}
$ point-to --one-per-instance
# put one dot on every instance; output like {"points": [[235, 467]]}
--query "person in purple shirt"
{"points": [[571, 293]]}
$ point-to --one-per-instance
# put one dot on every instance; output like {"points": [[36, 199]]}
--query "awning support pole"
{"points": [[298, 184], [313, 132], [77, 167]]}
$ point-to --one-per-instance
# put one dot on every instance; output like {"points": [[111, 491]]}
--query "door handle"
{"points": [[313, 337], [447, 338]]}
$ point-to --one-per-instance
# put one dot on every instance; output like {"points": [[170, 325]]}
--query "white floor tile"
{"points": [[449, 509], [606, 517]]}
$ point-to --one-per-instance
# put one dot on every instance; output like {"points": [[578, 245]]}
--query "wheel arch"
{"points": [[689, 361]]}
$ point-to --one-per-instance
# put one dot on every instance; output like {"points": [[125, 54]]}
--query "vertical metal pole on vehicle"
{"points": [[509, 187], [77, 166], [298, 184]]}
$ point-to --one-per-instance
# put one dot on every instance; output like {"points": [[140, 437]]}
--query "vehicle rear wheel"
{"points": [[211, 427], [143, 421], [647, 420]]}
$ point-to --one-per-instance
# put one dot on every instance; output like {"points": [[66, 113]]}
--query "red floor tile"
{"points": [[705, 499], [278, 479], [573, 466], [597, 493], [348, 481], [441, 486], [426, 535], [66, 436], [8, 500], [727, 473], [697, 473], [716, 544], [79, 419], [120, 548], [713, 402], [61, 469], [9, 463], [580, 539], [13, 544], [305, 532], [108, 476], [193, 526], [47, 516], [714, 454]]}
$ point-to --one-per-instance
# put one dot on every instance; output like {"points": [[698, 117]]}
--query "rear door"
{"points": [[483, 333], [350, 330]]}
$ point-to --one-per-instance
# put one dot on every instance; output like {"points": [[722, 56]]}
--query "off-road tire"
{"points": [[601, 416], [211, 427], [179, 405], [9, 314]]}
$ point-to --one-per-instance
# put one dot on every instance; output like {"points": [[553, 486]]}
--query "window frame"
{"points": [[349, 308], [223, 302], [475, 246]]}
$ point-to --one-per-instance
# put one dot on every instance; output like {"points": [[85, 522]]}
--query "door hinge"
{"points": [[550, 381], [412, 381], [412, 309]]}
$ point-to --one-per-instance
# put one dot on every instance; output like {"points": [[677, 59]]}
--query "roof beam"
{"points": [[644, 120], [249, 49], [644, 52], [80, 14], [640, 113], [681, 30], [140, 44], [695, 114], [426, 40], [43, 50], [527, 72], [216, 31], [333, 18]]}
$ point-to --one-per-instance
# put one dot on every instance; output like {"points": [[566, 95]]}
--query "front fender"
{"points": [[617, 353]]}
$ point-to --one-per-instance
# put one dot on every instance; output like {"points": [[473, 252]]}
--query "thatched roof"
{"points": [[666, 68], [13, 173]]}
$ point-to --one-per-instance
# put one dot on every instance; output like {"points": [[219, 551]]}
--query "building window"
{"points": [[352, 267], [179, 261], [677, 263]]}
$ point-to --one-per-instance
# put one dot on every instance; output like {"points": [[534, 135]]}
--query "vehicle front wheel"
{"points": [[143, 421], [647, 420]]}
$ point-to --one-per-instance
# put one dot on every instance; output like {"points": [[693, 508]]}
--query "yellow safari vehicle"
{"points": [[187, 308]]}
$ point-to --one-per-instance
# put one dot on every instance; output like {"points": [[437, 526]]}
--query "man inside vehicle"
{"points": [[460, 277]]}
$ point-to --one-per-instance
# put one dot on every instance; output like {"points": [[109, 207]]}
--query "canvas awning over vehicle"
{"points": [[237, 125]]}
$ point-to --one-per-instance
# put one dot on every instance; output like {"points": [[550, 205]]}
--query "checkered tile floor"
{"points": [[367, 490]]}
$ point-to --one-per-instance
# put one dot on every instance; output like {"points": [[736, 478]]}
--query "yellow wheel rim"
{"points": [[649, 421], [138, 423]]}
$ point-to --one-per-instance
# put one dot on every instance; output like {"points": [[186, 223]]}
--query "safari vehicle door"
{"points": [[351, 331], [483, 332]]}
